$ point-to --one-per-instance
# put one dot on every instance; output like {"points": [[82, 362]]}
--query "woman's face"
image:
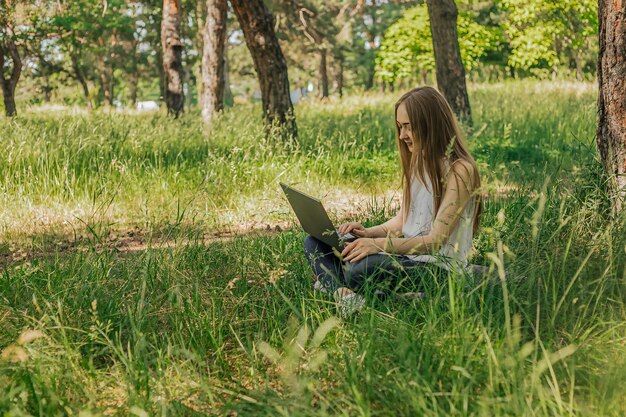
{"points": [[404, 125]]}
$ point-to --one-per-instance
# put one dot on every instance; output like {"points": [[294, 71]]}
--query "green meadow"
{"points": [[152, 267]]}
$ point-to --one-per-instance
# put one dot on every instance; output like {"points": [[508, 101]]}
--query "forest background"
{"points": [[109, 53]]}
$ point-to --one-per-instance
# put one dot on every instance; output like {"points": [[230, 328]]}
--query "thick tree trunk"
{"points": [[214, 42], [448, 64], [9, 101], [611, 133], [8, 85], [257, 24], [172, 57], [323, 93]]}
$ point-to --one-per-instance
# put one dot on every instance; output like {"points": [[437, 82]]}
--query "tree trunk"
{"points": [[555, 62], [448, 64], [158, 50], [369, 81], [133, 83], [8, 85], [323, 93], [187, 84], [161, 70], [105, 81], [78, 74], [424, 75], [611, 133], [46, 89], [555, 70], [214, 42], [228, 94], [200, 22], [579, 66], [339, 76], [257, 24], [172, 57]]}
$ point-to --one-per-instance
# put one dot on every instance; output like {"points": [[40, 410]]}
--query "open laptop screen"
{"points": [[312, 216]]}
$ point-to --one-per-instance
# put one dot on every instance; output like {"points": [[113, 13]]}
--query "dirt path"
{"points": [[132, 240], [54, 240]]}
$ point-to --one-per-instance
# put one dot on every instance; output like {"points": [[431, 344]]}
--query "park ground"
{"points": [[152, 268]]}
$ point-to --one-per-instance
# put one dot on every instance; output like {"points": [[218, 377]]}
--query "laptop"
{"points": [[314, 219]]}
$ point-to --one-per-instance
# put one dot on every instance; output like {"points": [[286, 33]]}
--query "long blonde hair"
{"points": [[435, 129]]}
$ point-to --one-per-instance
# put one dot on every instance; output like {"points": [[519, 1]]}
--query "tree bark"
{"points": [[448, 64], [172, 57], [579, 67], [161, 70], [106, 82], [228, 94], [46, 89], [424, 76], [611, 132], [323, 74], [369, 81], [9, 85], [214, 43], [200, 22], [339, 76], [133, 86], [257, 24], [80, 76]]}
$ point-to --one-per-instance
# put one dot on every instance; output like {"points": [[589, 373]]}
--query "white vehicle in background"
{"points": [[147, 105]]}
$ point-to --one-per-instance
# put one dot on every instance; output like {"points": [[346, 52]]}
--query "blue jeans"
{"points": [[390, 270]]}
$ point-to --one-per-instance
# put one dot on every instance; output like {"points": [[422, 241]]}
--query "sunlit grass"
{"points": [[61, 171], [233, 326]]}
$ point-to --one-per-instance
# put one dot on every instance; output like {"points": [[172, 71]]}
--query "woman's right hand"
{"points": [[355, 228]]}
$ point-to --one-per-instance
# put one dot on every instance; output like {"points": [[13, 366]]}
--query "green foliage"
{"points": [[407, 48], [545, 33], [368, 43]]}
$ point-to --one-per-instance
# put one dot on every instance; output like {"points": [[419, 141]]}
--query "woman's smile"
{"points": [[404, 127]]}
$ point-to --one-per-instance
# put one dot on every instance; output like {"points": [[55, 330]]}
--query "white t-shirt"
{"points": [[454, 253]]}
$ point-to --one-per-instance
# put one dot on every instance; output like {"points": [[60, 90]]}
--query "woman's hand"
{"points": [[355, 228], [359, 249]]}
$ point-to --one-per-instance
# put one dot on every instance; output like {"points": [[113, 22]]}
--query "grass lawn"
{"points": [[131, 284]]}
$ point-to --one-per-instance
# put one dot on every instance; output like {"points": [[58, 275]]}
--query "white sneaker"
{"points": [[348, 304], [318, 286]]}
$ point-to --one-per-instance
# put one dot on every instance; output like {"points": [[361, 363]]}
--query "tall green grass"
{"points": [[61, 172], [234, 327]]}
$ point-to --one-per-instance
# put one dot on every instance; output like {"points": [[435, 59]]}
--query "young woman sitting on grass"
{"points": [[440, 210]]}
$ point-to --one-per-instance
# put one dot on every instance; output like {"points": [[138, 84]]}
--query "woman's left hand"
{"points": [[359, 249]]}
